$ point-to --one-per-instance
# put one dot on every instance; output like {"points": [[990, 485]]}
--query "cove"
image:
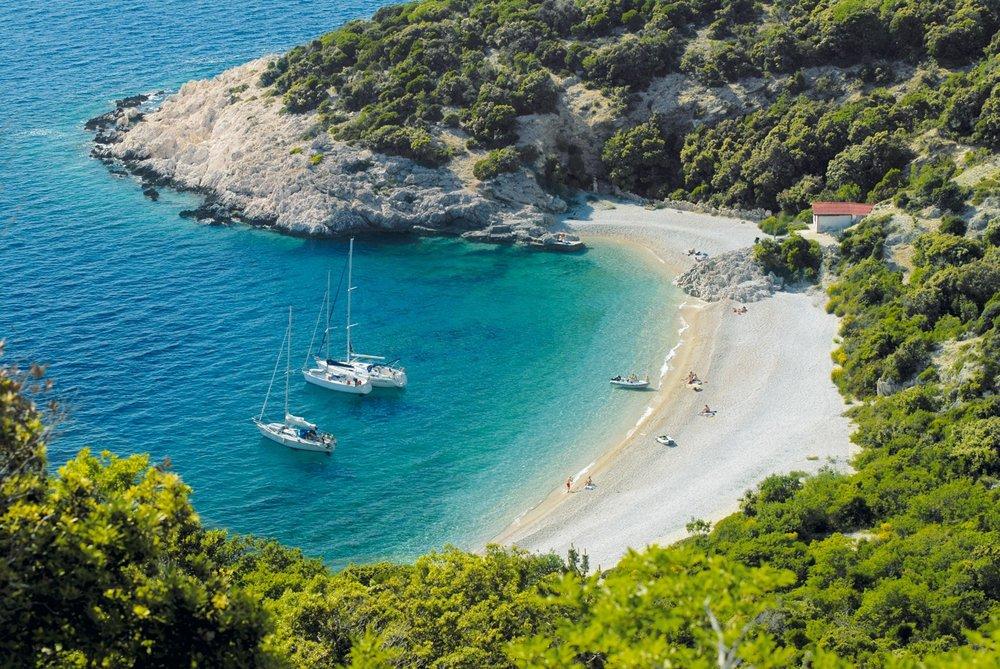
{"points": [[161, 333]]}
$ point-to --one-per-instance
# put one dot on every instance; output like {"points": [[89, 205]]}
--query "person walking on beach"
{"points": [[569, 484]]}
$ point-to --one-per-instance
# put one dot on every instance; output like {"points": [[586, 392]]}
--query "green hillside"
{"points": [[848, 86]]}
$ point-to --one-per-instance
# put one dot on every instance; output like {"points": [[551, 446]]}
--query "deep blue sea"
{"points": [[161, 333]]}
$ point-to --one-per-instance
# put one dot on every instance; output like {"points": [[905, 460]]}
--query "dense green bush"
{"points": [[493, 123], [952, 225], [866, 239], [639, 158], [793, 258], [782, 224], [412, 143], [931, 185], [497, 162]]}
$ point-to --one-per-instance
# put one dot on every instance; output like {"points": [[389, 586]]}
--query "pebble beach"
{"points": [[766, 376]]}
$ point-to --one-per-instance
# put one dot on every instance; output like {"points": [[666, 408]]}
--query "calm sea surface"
{"points": [[161, 334]]}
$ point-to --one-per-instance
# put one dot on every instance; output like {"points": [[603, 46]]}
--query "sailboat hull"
{"points": [[348, 383], [286, 436], [381, 376]]}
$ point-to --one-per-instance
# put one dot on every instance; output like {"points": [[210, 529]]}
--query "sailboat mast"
{"points": [[327, 331], [288, 358], [350, 289]]}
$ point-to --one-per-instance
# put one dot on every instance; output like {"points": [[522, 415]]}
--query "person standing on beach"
{"points": [[569, 484]]}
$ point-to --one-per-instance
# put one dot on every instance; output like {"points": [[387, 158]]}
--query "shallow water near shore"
{"points": [[162, 333]]}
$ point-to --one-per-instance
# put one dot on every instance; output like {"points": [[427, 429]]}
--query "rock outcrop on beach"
{"points": [[228, 139], [733, 275]]}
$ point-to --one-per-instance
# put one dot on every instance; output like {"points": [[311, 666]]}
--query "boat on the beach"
{"points": [[294, 431], [344, 375], [666, 440], [564, 242], [630, 381]]}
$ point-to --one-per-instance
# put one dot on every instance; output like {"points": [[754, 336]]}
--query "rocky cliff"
{"points": [[229, 139]]}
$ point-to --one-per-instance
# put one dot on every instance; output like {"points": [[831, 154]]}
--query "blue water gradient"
{"points": [[161, 333]]}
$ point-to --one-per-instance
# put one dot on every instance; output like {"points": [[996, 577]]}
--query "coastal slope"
{"points": [[766, 375]]}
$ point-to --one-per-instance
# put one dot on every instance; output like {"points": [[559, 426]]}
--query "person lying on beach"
{"points": [[706, 411]]}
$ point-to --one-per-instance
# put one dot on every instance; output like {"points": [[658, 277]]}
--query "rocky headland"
{"points": [[229, 139]]}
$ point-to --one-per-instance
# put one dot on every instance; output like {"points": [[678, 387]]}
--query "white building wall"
{"points": [[830, 223]]}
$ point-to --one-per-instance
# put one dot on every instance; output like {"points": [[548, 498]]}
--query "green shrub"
{"points": [[316, 158], [781, 224], [497, 162], [639, 160], [952, 225], [792, 258], [414, 143], [305, 95], [492, 123], [932, 185], [866, 239]]}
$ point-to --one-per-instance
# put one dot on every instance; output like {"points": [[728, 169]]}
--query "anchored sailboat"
{"points": [[371, 367], [295, 431]]}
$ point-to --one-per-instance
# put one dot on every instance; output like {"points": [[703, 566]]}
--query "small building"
{"points": [[835, 216]]}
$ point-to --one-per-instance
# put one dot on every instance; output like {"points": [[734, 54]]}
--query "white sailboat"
{"points": [[379, 373], [295, 431]]}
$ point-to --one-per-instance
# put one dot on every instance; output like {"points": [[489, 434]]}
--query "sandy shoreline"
{"points": [[767, 374]]}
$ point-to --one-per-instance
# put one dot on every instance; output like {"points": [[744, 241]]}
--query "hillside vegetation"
{"points": [[843, 89]]}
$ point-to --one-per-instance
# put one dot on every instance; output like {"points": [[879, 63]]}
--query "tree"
{"points": [[792, 258], [497, 162], [638, 158], [865, 164], [493, 123], [662, 607], [104, 563]]}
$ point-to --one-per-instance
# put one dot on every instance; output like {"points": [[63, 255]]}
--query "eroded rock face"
{"points": [[732, 275], [228, 139]]}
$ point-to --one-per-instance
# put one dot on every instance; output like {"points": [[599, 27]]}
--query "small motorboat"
{"points": [[666, 440], [630, 381], [564, 242]]}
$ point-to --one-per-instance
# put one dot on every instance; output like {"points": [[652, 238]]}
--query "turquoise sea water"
{"points": [[161, 333]]}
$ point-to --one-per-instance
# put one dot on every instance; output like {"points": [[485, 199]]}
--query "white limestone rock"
{"points": [[733, 275], [227, 137]]}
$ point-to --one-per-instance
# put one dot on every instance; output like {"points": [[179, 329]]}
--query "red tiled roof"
{"points": [[841, 208]]}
